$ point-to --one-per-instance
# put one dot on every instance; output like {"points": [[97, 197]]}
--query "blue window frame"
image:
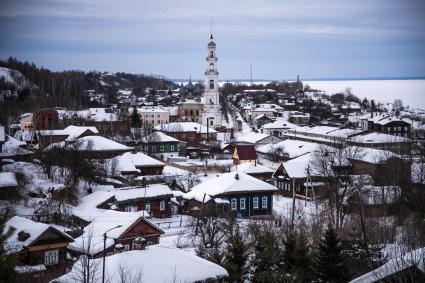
{"points": [[242, 203], [234, 204], [264, 201]]}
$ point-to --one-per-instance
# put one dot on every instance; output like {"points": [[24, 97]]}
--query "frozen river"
{"points": [[411, 92]]}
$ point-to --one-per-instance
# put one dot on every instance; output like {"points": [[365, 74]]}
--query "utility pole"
{"points": [[104, 251]]}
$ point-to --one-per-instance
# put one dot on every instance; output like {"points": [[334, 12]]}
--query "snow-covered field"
{"points": [[411, 92]]}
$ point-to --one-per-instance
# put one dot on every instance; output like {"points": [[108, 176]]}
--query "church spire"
{"points": [[211, 37]]}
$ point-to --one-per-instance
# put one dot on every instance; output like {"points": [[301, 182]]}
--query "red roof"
{"points": [[246, 151]]}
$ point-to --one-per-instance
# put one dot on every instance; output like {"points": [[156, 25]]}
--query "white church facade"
{"points": [[211, 113]]}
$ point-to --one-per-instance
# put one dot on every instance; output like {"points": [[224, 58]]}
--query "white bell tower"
{"points": [[211, 113]]}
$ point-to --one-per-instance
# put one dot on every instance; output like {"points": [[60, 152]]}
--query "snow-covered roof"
{"points": [[378, 138], [297, 167], [145, 110], [293, 148], [129, 161], [326, 131], [384, 118], [413, 258], [372, 155], [159, 137], [176, 127], [150, 191], [251, 137], [280, 124], [154, 264], [228, 183], [76, 131], [104, 222], [12, 147], [7, 179], [34, 229], [252, 168], [87, 208], [92, 143]]}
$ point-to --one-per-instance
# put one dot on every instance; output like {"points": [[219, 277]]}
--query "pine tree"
{"points": [[135, 118], [7, 264], [236, 257], [266, 263], [304, 272], [289, 253], [330, 261], [362, 256]]}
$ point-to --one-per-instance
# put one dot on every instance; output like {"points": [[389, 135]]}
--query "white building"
{"points": [[211, 113]]}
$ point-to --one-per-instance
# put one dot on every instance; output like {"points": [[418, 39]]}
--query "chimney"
{"points": [[23, 236]]}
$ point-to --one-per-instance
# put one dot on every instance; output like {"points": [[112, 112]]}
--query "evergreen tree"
{"points": [[135, 118], [296, 258], [289, 253], [236, 257], [7, 264], [266, 263], [304, 271], [330, 261], [363, 257]]}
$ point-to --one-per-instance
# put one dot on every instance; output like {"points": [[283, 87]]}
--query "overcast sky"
{"points": [[315, 39]]}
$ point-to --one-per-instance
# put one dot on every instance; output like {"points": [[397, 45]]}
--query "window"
{"points": [[211, 67], [158, 115], [126, 248], [405, 129], [129, 208], [162, 205], [255, 202], [211, 122], [234, 204], [242, 203], [148, 207], [264, 202], [399, 129], [51, 257], [211, 84], [153, 148], [161, 148], [171, 147]]}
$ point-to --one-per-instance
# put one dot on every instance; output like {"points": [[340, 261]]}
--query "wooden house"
{"points": [[190, 132], [232, 193], [154, 199], [123, 230], [39, 249], [243, 153], [133, 164], [161, 145]]}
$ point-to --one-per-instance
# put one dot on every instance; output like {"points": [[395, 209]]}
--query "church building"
{"points": [[211, 114]]}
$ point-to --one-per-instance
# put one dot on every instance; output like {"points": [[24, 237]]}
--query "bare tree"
{"points": [[86, 269], [187, 182], [332, 163]]}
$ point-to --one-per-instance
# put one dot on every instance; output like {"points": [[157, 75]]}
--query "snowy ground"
{"points": [[39, 183], [282, 206]]}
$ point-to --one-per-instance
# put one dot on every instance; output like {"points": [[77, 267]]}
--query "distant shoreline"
{"points": [[316, 79]]}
